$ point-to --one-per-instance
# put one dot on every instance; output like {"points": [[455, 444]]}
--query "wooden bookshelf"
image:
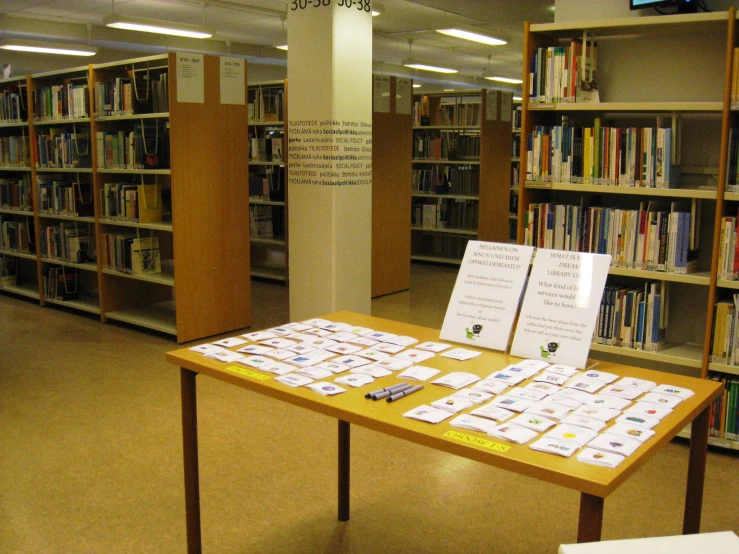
{"points": [[694, 93], [211, 293]]}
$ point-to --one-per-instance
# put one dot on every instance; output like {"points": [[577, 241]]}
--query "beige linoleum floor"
{"points": [[90, 458]]}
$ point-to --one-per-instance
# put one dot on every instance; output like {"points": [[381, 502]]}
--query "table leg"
{"points": [[190, 457], [696, 473], [591, 518], [343, 470]]}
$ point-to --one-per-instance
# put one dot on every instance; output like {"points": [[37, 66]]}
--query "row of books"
{"points": [[439, 245], [59, 148], [71, 242], [13, 105], [723, 418], [61, 283], [147, 93], [63, 197], [650, 238], [513, 203], [466, 114], [266, 149], [15, 193], [516, 120], [728, 251], [732, 162], [515, 174], [57, 102], [447, 179], [266, 104], [724, 347], [633, 316], [145, 147], [446, 214], [516, 146], [601, 155], [131, 254], [735, 77], [446, 145], [14, 152], [564, 73], [113, 97], [131, 202], [17, 235]]}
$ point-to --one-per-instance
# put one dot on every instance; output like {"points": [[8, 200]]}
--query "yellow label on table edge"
{"points": [[248, 372], [477, 441]]}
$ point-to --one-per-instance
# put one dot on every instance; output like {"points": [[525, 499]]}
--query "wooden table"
{"points": [[594, 483]]}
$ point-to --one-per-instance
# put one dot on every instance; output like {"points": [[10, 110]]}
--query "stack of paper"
{"points": [[293, 380], [354, 380], [614, 443], [428, 414], [473, 423], [452, 404], [456, 380], [599, 457], [433, 346], [554, 445], [512, 433], [419, 373], [533, 422], [461, 354], [326, 389], [492, 412]]}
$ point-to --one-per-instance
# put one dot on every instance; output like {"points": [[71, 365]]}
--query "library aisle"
{"points": [[90, 457]]}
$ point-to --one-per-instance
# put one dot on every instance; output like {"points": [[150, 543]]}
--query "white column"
{"points": [[329, 156]]}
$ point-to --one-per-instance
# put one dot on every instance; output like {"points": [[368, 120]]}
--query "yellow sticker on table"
{"points": [[248, 372], [477, 441]]}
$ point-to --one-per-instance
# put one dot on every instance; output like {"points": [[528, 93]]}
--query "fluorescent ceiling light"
{"points": [[504, 79], [415, 64], [48, 47], [156, 26], [469, 35], [282, 47], [417, 85], [517, 99], [378, 8]]}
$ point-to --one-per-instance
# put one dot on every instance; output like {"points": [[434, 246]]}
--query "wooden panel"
{"points": [[392, 137], [495, 170], [210, 210]]}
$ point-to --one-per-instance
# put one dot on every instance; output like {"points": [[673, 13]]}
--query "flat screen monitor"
{"points": [[682, 5]]}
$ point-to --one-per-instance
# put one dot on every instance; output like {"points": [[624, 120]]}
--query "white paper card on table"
{"points": [[344, 349], [388, 348], [413, 355], [604, 414], [254, 361], [511, 403], [293, 380], [614, 443], [326, 389], [666, 389], [584, 421], [603, 401], [281, 354], [342, 336], [224, 356], [352, 361], [553, 445], [372, 370], [533, 422], [666, 400], [256, 349], [393, 364], [535, 365], [322, 354], [640, 420], [259, 335], [278, 342], [428, 414], [647, 409], [333, 366], [336, 327], [599, 457], [295, 326], [364, 341], [636, 432], [621, 391], [207, 347], [299, 337], [579, 435], [278, 368], [546, 388], [402, 340], [452, 404], [419, 373], [607, 378], [355, 380], [284, 330], [506, 377], [314, 372], [512, 433], [548, 409], [301, 348], [476, 396], [563, 369], [433, 346], [473, 423], [553, 378], [320, 342], [491, 386], [304, 360], [317, 333], [493, 412], [560, 306], [456, 380], [373, 354], [527, 394], [523, 370], [461, 354], [571, 394], [316, 322], [485, 298], [229, 342], [642, 384], [585, 384], [357, 330], [380, 336]]}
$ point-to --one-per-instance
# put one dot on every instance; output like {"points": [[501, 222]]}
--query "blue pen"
{"points": [[403, 393], [388, 392], [390, 388]]}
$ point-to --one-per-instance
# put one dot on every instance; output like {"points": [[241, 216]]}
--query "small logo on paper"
{"points": [[549, 350], [474, 333]]}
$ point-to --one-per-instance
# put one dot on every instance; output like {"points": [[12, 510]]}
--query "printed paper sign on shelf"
{"points": [[560, 306], [483, 305]]}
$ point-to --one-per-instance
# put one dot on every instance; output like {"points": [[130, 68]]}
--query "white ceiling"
{"points": [[251, 28]]}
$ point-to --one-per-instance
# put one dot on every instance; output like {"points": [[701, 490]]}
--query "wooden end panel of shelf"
{"points": [[210, 213], [495, 175], [391, 199]]}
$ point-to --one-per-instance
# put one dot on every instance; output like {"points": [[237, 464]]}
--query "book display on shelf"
{"points": [[515, 171], [645, 174], [462, 148], [268, 181], [88, 220]]}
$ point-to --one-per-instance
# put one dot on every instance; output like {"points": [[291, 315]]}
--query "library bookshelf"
{"points": [[515, 171], [117, 205], [461, 172], [583, 187], [267, 114]]}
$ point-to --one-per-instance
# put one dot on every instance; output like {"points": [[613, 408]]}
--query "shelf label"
{"points": [[233, 81], [381, 94], [190, 78], [403, 95]]}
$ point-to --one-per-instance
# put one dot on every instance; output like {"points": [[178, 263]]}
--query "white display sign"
{"points": [[491, 105], [381, 94], [403, 94], [190, 78], [233, 81], [485, 299], [560, 307]]}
